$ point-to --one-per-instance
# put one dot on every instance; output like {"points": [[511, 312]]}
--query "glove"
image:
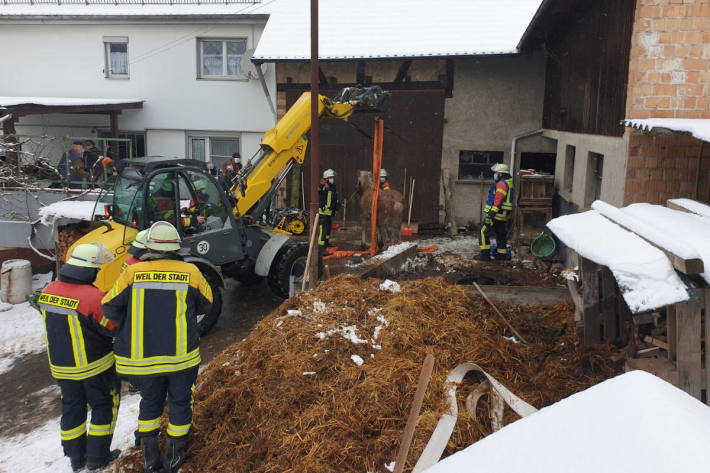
{"points": [[489, 218]]}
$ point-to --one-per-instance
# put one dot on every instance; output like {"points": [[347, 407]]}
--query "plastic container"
{"points": [[543, 246], [15, 281]]}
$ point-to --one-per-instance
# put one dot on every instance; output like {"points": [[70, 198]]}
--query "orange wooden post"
{"points": [[376, 165]]}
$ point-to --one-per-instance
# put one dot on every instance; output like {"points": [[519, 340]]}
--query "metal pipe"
{"points": [[315, 140], [260, 73]]}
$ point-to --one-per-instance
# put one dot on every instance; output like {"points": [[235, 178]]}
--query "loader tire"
{"points": [[290, 260], [205, 322]]}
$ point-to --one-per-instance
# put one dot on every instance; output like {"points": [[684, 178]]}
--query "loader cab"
{"points": [[179, 192]]}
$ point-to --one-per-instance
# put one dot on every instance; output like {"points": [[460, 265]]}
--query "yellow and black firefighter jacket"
{"points": [[155, 304], [500, 200], [78, 335], [328, 203]]}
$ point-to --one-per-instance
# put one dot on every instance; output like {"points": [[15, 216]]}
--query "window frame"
{"points": [[107, 42], [200, 63], [208, 137], [490, 163]]}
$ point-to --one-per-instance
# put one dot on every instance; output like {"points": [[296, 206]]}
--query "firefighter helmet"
{"points": [[500, 167], [139, 242], [162, 236], [90, 255], [383, 172], [328, 173]]}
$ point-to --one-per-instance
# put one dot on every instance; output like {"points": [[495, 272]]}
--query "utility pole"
{"points": [[315, 141]]}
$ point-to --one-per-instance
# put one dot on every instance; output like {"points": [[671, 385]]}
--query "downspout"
{"points": [[260, 73]]}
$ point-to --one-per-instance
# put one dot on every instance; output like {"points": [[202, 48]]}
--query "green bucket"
{"points": [[543, 246]]}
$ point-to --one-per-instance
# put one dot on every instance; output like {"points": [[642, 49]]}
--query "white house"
{"points": [[188, 63]]}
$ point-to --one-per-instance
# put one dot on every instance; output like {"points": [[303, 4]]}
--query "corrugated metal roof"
{"points": [[698, 127], [396, 28]]}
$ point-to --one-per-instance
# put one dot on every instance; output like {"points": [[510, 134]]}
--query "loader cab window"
{"points": [[206, 201], [127, 201], [160, 198]]}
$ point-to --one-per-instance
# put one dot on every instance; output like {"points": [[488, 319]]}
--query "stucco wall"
{"points": [[67, 60], [495, 99], [613, 174]]}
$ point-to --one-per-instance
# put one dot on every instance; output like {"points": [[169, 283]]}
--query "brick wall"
{"points": [[669, 67], [669, 77]]}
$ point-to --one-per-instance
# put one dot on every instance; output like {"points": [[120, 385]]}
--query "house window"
{"points": [[116, 57], [569, 167], [214, 149], [477, 164], [595, 173], [125, 151], [221, 58]]}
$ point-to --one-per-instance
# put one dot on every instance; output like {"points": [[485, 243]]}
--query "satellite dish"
{"points": [[248, 67]]}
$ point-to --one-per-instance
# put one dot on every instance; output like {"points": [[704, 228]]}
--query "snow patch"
{"points": [[308, 373], [349, 332], [357, 359], [394, 250], [40, 280], [74, 209], [693, 206], [319, 306], [390, 466], [21, 333], [390, 286]]}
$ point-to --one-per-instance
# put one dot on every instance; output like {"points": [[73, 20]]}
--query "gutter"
{"points": [[140, 17]]}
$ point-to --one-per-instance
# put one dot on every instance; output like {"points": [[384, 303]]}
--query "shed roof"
{"points": [[698, 127], [34, 105], [395, 29]]}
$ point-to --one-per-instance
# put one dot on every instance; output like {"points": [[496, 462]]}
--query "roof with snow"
{"points": [[77, 9], [634, 422], [395, 29], [34, 105], [698, 127]]}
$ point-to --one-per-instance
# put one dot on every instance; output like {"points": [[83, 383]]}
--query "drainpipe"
{"points": [[260, 73]]}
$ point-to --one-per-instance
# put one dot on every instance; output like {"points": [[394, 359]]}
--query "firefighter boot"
{"points": [[174, 454], [484, 255], [77, 463], [151, 455], [99, 463]]}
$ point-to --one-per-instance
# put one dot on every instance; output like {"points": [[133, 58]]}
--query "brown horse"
{"points": [[390, 212]]}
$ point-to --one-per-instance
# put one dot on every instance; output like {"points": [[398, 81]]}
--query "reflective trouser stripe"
{"points": [[321, 239], [116, 395], [100, 430], [148, 425], [82, 372], [485, 243], [180, 323], [501, 251], [77, 340], [178, 430], [76, 432], [137, 324]]}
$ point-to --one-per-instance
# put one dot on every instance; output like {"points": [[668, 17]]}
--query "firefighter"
{"points": [[196, 214], [81, 359], [497, 211], [384, 183], [136, 250], [155, 304], [327, 207]]}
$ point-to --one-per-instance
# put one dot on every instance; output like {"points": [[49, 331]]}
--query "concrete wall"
{"points": [[67, 60], [495, 99], [614, 170]]}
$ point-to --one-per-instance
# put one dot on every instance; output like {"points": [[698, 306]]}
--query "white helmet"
{"points": [[383, 172], [328, 173], [500, 167], [139, 242], [162, 236], [90, 255]]}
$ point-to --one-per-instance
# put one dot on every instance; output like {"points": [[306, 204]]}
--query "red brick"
{"points": [[695, 51], [702, 103], [666, 78], [674, 10], [678, 37], [689, 102], [650, 11], [661, 113], [672, 24], [665, 89], [653, 77], [685, 24], [692, 77], [687, 114], [691, 37], [705, 37], [664, 38], [691, 90], [640, 114]]}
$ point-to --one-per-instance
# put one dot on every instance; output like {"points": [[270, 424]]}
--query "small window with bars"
{"points": [[477, 164]]}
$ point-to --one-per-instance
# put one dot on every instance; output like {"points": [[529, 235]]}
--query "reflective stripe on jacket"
{"points": [[78, 336], [327, 199], [155, 304], [500, 199]]}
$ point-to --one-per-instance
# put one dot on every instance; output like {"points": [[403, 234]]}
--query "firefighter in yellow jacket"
{"points": [[155, 304]]}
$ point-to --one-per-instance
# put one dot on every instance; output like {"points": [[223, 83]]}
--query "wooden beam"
{"points": [[704, 299], [402, 72], [656, 342], [689, 359], [686, 266], [608, 304], [671, 331], [590, 298], [8, 128], [33, 109]]}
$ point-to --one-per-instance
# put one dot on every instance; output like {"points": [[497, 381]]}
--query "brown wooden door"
{"points": [[414, 123]]}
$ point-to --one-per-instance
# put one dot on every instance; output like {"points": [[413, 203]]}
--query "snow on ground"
{"points": [[693, 206], [459, 245], [21, 333], [80, 210], [40, 451], [389, 285], [644, 273], [393, 250], [634, 422]]}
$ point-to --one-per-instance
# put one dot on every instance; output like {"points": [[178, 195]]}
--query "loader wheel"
{"points": [[205, 322], [296, 226], [290, 260]]}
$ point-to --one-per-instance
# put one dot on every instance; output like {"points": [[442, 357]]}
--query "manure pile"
{"points": [[329, 389]]}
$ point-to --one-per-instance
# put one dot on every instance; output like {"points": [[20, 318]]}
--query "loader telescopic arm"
{"points": [[285, 144]]}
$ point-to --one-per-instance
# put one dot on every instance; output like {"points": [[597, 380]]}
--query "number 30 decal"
{"points": [[203, 247]]}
